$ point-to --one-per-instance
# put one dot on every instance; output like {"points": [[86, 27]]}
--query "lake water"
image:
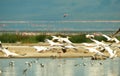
{"points": [[59, 25], [59, 67]]}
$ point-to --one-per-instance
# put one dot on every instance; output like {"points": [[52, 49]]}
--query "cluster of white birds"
{"points": [[100, 46], [63, 43], [7, 52], [57, 42]]}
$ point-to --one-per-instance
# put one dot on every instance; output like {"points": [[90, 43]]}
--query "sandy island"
{"points": [[27, 51]]}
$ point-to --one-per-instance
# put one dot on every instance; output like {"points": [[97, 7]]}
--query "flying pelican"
{"points": [[106, 47], [108, 38], [111, 39], [8, 53], [116, 40], [99, 43], [94, 49], [54, 38], [66, 40], [110, 51], [89, 36], [40, 48], [70, 47], [53, 43], [116, 32], [89, 44]]}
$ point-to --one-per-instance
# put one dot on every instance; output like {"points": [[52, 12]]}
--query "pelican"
{"points": [[110, 51], [8, 53], [111, 39], [99, 43], [89, 36], [116, 32], [40, 48], [108, 38], [55, 38], [53, 43], [106, 47], [94, 49], [116, 40], [89, 45], [66, 40], [70, 47]]}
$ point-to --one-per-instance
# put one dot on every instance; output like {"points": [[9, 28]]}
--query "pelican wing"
{"points": [[108, 38]]}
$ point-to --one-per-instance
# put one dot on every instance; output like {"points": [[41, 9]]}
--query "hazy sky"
{"points": [[36, 10]]}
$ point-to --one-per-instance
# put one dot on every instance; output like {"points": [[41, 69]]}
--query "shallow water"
{"points": [[59, 67]]}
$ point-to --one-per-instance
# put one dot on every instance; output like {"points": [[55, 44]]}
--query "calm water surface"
{"points": [[59, 67]]}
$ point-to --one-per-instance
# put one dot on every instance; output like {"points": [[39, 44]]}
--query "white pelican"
{"points": [[8, 53], [55, 38], [116, 32], [53, 43], [89, 36], [110, 51], [89, 44], [111, 39], [40, 48], [66, 40], [69, 47], [116, 40], [99, 43], [94, 50], [107, 37], [106, 47]]}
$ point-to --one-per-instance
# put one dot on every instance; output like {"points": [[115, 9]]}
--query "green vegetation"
{"points": [[13, 38]]}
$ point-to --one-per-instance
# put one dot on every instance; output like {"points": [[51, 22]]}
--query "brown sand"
{"points": [[27, 51]]}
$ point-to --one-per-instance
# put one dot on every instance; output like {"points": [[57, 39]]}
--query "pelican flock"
{"points": [[99, 48]]}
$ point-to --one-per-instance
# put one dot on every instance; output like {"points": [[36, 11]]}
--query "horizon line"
{"points": [[61, 21]]}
